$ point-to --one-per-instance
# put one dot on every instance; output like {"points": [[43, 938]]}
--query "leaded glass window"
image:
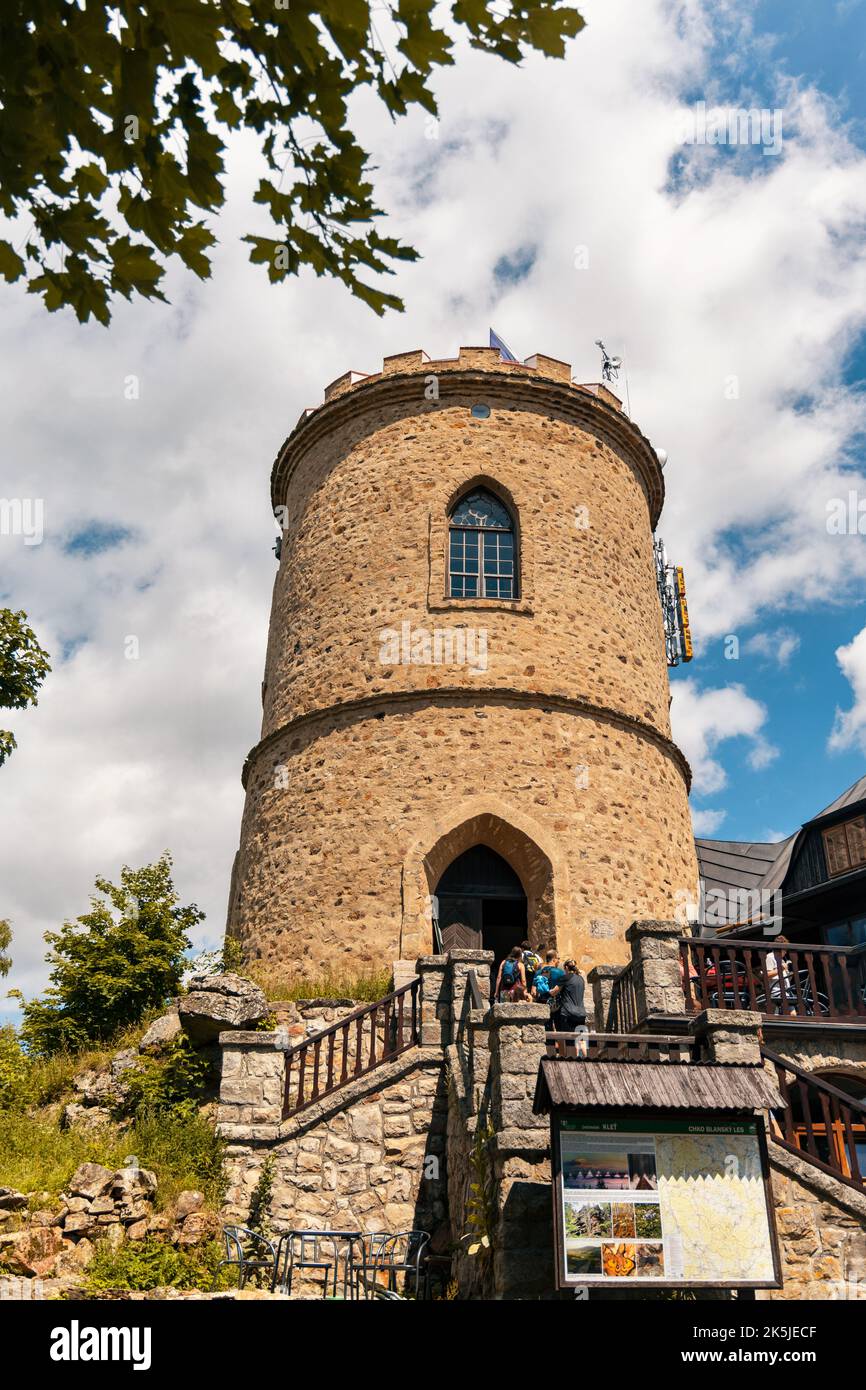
{"points": [[481, 555]]}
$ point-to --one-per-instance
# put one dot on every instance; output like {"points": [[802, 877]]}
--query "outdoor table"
{"points": [[312, 1242]]}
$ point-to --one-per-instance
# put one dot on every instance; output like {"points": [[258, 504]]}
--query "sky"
{"points": [[558, 202]]}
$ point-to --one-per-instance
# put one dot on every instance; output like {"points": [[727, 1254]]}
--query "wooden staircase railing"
{"points": [[364, 1040], [820, 1123]]}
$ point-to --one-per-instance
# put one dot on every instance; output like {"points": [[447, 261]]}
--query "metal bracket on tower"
{"points": [[675, 612]]}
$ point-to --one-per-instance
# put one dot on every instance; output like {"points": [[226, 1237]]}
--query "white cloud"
{"points": [[703, 719], [849, 729], [778, 645], [694, 284], [706, 823]]}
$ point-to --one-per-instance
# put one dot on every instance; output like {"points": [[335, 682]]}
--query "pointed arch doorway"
{"points": [[481, 904]]}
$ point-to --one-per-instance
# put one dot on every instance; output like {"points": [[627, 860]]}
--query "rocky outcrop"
{"points": [[101, 1205], [10, 1200], [161, 1032], [100, 1093], [219, 1003]]}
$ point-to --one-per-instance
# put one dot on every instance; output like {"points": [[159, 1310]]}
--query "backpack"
{"points": [[510, 974], [542, 986], [531, 961]]}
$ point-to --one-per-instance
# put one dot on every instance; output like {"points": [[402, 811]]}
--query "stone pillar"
{"points": [[729, 1036], [522, 1247], [656, 969], [601, 977], [252, 1081], [435, 1000], [460, 963]]}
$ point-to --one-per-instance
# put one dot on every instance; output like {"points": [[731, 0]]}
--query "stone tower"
{"points": [[466, 696]]}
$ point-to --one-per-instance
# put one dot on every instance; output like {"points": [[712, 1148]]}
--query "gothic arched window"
{"points": [[481, 548]]}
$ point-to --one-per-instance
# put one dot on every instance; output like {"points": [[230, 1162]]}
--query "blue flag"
{"points": [[504, 350]]}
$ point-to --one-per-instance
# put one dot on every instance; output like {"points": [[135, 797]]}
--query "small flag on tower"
{"points": [[504, 350]]}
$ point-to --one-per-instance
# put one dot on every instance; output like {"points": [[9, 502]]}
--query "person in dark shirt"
{"points": [[570, 1013]]}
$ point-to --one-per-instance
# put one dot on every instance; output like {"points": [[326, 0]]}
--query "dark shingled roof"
{"points": [[856, 792], [660, 1085], [731, 865]]}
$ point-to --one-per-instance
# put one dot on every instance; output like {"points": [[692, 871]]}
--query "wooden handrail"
{"points": [[475, 991], [841, 1117], [348, 1057], [733, 942]]}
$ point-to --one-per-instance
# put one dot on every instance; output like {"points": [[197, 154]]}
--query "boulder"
{"points": [[45, 1217], [198, 1226], [10, 1200], [123, 1061], [137, 1231], [187, 1203], [130, 1185], [34, 1251], [75, 1204], [218, 1004], [85, 1117], [74, 1258], [95, 1087], [161, 1032], [78, 1223], [91, 1180]]}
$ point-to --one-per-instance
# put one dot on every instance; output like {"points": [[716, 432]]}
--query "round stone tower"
{"points": [[465, 734]]}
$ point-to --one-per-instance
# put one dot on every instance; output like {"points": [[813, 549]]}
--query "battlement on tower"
{"points": [[474, 359]]}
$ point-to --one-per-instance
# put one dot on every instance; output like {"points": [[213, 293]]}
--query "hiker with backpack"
{"points": [[511, 980], [531, 963], [546, 978], [570, 1009]]}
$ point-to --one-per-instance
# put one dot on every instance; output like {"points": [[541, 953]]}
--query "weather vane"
{"points": [[609, 365]]}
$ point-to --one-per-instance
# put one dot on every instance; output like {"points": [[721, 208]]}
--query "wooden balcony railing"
{"points": [[622, 1014], [622, 1047], [824, 982], [362, 1041], [820, 1123]]}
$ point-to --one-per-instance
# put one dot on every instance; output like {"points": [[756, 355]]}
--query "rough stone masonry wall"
{"points": [[822, 1232], [366, 767], [372, 1161], [371, 1156]]}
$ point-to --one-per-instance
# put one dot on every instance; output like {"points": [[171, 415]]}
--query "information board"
{"points": [[656, 1200]]}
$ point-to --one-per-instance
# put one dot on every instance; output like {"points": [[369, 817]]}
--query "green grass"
{"points": [[36, 1155], [50, 1078], [280, 984]]}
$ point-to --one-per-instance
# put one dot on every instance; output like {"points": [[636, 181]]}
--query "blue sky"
{"points": [[698, 265], [824, 45]]}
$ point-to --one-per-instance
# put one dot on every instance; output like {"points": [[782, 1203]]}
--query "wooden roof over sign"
{"points": [[572, 1081]]}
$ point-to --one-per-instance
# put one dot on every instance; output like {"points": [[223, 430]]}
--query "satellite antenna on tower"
{"points": [[609, 365]]}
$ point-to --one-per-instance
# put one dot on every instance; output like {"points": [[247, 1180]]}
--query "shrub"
{"points": [[113, 963], [261, 1199], [176, 1081], [183, 1150], [17, 1083], [154, 1264]]}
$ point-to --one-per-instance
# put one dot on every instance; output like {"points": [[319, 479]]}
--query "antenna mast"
{"points": [[675, 612]]}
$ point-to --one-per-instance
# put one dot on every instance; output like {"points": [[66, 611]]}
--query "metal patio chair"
{"points": [[403, 1253], [250, 1252]]}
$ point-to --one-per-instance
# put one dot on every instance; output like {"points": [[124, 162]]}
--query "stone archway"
{"points": [[517, 839]]}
